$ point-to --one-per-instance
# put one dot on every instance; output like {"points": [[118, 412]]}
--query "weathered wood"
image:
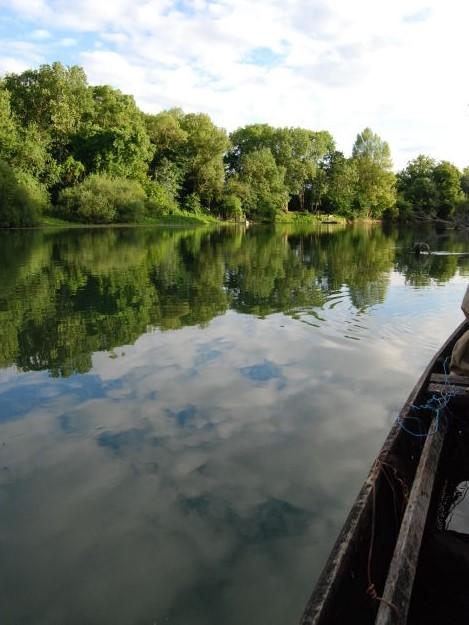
{"points": [[448, 389], [345, 561], [442, 378], [398, 589]]}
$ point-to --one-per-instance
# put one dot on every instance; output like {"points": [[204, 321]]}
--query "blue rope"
{"points": [[435, 405]]}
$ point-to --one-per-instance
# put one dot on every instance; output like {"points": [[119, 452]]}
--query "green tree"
{"points": [[376, 181], [21, 200], [447, 178], [8, 127], [297, 150], [465, 181], [342, 180], [54, 98], [417, 187], [203, 153], [261, 185], [114, 140]]}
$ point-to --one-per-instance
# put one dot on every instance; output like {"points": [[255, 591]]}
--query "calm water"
{"points": [[186, 416]]}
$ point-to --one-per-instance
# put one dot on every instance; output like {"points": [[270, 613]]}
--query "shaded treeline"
{"points": [[87, 153], [68, 294]]}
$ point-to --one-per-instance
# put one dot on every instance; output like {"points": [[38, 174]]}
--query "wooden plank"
{"points": [[442, 378], [446, 389], [395, 602]]}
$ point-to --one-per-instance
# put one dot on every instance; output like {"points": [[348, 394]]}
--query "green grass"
{"points": [[308, 218], [180, 219]]}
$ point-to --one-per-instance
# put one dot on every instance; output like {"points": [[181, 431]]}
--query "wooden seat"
{"points": [[453, 384]]}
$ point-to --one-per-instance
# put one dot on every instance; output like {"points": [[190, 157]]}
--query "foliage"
{"points": [[417, 188], [103, 199], [192, 204], [341, 180], [160, 200], [447, 179], [21, 200], [203, 155], [465, 181], [430, 189], [376, 181], [56, 132], [297, 150], [262, 187], [231, 207], [114, 138], [8, 127]]}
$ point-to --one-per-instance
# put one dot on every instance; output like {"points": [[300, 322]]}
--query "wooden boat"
{"points": [[383, 569]]}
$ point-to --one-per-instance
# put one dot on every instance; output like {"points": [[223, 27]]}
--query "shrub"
{"points": [[192, 204], [231, 207], [22, 198], [161, 200], [37, 192], [103, 199]]}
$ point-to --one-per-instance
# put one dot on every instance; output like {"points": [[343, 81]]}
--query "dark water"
{"points": [[186, 416]]}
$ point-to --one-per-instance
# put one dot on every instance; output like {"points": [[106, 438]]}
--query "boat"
{"points": [[395, 562]]}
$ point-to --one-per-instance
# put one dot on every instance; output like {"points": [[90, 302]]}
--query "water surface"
{"points": [[187, 416]]}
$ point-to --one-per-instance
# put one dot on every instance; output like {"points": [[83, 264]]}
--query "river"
{"points": [[186, 416]]}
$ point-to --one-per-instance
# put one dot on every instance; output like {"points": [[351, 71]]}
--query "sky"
{"points": [[396, 66]]}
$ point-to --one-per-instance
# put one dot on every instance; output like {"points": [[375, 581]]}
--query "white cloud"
{"points": [[40, 34], [397, 66], [68, 42]]}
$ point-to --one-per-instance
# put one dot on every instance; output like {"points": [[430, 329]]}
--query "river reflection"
{"points": [[186, 416]]}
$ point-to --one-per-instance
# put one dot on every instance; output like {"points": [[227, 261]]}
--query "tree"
{"points": [[447, 178], [342, 180], [203, 153], [55, 98], [417, 187], [114, 139], [376, 181], [465, 181], [297, 150], [8, 127], [263, 190], [166, 136], [21, 201]]}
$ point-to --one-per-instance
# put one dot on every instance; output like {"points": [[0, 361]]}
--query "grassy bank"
{"points": [[181, 219], [184, 218], [308, 218]]}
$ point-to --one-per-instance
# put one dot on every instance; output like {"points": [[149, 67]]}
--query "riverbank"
{"points": [[309, 218], [182, 219], [191, 219]]}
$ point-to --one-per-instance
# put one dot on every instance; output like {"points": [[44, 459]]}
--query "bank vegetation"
{"points": [[81, 153]]}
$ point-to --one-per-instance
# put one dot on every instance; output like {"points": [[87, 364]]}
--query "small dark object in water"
{"points": [[421, 246]]}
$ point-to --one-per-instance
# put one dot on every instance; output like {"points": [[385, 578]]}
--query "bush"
{"points": [[22, 198], [231, 207], [192, 204], [161, 200], [103, 199], [37, 192], [404, 208], [462, 212]]}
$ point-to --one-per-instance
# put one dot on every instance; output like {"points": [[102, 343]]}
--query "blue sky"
{"points": [[396, 66]]}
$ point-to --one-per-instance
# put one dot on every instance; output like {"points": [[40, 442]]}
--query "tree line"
{"points": [[87, 153]]}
